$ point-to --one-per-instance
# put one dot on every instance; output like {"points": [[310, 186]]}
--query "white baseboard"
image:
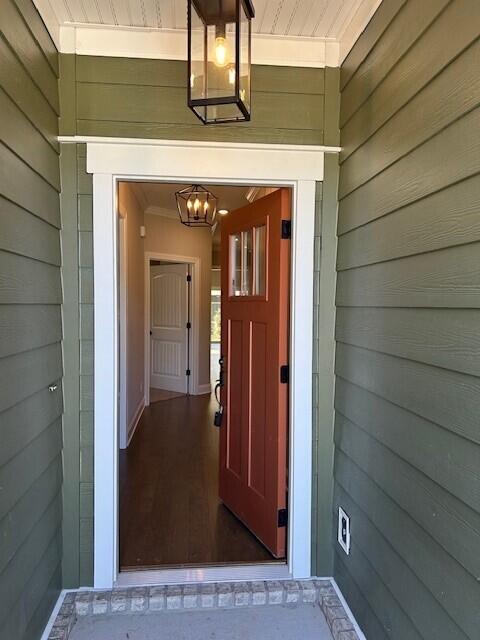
{"points": [[202, 389], [132, 427]]}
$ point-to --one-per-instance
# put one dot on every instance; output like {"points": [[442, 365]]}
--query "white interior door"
{"points": [[168, 327]]}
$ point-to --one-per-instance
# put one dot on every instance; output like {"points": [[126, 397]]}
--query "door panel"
{"points": [[234, 422], [255, 320], [258, 416], [168, 327]]}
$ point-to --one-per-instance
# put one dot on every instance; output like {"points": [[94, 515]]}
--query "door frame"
{"points": [[195, 272], [298, 167], [122, 330]]}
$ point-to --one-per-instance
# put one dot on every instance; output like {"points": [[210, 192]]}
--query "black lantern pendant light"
{"points": [[219, 54], [197, 207]]}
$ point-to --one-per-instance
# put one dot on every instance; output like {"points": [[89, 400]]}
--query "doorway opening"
{"points": [[192, 494]]}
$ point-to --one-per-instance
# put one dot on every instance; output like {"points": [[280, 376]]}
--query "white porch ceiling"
{"points": [[311, 18], [321, 31]]}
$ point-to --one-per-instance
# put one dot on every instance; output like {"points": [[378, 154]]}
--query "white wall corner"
{"points": [[332, 53]]}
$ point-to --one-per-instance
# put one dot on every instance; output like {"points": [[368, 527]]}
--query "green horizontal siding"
{"points": [[147, 99], [143, 98], [407, 434], [30, 325]]}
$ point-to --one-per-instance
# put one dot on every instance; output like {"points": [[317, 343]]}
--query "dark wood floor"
{"points": [[170, 513]]}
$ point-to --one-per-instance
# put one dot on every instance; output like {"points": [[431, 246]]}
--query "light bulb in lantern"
{"points": [[205, 206], [189, 204], [196, 205], [221, 51]]}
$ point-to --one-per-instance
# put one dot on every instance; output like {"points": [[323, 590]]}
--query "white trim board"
{"points": [[171, 44], [220, 164], [123, 427], [200, 144], [163, 161]]}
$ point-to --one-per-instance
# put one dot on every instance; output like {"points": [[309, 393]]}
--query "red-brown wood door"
{"points": [[255, 321]]}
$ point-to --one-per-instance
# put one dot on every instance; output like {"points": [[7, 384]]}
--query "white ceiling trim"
{"points": [[326, 48], [171, 44]]}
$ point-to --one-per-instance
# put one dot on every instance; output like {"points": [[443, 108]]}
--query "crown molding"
{"points": [[171, 44], [154, 210]]}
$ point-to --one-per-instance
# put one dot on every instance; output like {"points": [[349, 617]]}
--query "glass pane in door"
{"points": [[241, 263], [260, 260]]}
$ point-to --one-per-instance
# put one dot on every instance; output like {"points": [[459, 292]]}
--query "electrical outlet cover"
{"points": [[344, 530]]}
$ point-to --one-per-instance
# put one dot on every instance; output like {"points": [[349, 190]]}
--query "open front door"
{"points": [[255, 320]]}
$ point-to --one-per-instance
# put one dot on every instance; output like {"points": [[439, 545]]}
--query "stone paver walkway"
{"points": [[285, 622]]}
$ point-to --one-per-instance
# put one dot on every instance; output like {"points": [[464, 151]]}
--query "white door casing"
{"points": [[168, 327], [111, 160]]}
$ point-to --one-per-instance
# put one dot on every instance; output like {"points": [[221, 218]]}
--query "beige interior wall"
{"points": [[169, 236], [216, 278], [135, 276]]}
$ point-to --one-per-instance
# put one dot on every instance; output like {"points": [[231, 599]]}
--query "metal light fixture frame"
{"points": [[234, 99], [206, 219]]}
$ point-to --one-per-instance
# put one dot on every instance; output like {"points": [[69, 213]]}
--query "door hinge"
{"points": [[189, 278], [189, 325], [282, 517], [187, 372], [286, 229], [284, 373]]}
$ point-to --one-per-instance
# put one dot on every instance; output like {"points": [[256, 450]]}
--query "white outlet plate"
{"points": [[343, 534]]}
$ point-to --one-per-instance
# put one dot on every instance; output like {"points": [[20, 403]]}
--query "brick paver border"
{"points": [[205, 596]]}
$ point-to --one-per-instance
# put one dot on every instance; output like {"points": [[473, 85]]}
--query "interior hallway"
{"points": [[170, 513]]}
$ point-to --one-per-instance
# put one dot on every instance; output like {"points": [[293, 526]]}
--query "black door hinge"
{"points": [[187, 372], [282, 517], [286, 229], [189, 278], [284, 374], [189, 325]]}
